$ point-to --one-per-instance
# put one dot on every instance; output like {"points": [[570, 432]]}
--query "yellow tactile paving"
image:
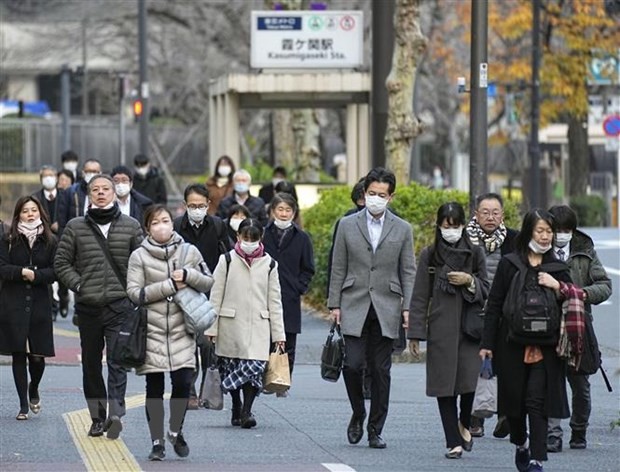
{"points": [[66, 332], [101, 454]]}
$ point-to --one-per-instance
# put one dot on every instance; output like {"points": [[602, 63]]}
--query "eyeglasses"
{"points": [[197, 207], [490, 214]]}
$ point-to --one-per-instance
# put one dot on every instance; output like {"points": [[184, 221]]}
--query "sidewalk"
{"points": [[304, 432]]}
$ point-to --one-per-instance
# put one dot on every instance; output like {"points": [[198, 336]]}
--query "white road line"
{"points": [[338, 467], [612, 271]]}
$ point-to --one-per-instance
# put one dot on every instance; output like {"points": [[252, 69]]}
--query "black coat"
{"points": [[211, 238], [50, 207], [255, 205], [295, 259], [151, 186], [71, 205], [138, 204], [508, 356], [26, 313]]}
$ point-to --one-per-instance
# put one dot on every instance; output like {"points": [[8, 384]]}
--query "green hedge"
{"points": [[415, 203], [591, 210]]}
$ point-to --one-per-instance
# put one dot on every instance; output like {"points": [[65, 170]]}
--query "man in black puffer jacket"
{"points": [[100, 297]]}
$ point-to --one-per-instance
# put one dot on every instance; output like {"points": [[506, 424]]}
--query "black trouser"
{"points": [[581, 406], [96, 331], [291, 344], [154, 405], [377, 349], [450, 417], [535, 393], [63, 295]]}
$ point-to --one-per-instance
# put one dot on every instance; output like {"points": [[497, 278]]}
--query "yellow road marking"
{"points": [[66, 332], [102, 454]]}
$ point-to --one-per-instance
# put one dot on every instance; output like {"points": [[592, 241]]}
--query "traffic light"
{"points": [[137, 109]]}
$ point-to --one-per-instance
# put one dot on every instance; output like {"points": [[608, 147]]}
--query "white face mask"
{"points": [[249, 247], [88, 176], [142, 170], [375, 204], [49, 182], [197, 215], [562, 239], [451, 235], [71, 166], [537, 248], [241, 187], [234, 223], [122, 190], [282, 224], [224, 171]]}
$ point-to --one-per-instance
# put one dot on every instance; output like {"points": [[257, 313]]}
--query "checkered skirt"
{"points": [[236, 372]]}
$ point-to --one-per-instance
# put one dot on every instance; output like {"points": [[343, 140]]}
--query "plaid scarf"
{"points": [[573, 324], [491, 241]]}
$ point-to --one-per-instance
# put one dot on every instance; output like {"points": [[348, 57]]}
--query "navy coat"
{"points": [[26, 312], [295, 259]]}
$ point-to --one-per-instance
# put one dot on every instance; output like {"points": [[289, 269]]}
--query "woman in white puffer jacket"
{"points": [[154, 275]]}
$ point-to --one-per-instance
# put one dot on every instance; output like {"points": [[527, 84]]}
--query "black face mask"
{"points": [[103, 216]]}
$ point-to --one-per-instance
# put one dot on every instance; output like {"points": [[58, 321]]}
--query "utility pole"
{"points": [[144, 80], [478, 102], [121, 118], [65, 106], [382, 51], [84, 66], [534, 187]]}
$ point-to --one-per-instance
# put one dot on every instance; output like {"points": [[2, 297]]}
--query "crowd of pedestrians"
{"points": [[111, 241]]}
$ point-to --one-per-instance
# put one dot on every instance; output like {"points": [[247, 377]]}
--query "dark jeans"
{"points": [[99, 328], [154, 405], [291, 344], [450, 417], [535, 392], [377, 349], [581, 406]]}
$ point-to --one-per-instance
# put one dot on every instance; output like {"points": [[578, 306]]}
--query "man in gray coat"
{"points": [[372, 276], [100, 296]]}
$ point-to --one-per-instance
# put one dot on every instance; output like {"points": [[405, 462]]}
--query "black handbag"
{"points": [[332, 356], [129, 347], [472, 320]]}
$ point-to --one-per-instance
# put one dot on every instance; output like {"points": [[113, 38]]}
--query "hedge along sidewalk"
{"points": [[414, 203]]}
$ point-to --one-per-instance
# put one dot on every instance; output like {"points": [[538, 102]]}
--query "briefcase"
{"points": [[332, 356]]}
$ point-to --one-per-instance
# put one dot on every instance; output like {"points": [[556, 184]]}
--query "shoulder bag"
{"points": [[332, 356], [129, 347], [197, 310]]}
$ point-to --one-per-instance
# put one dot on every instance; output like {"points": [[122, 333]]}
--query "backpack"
{"points": [[531, 311]]}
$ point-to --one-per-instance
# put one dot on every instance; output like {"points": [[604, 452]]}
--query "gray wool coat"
{"points": [[452, 361], [168, 345], [360, 276]]}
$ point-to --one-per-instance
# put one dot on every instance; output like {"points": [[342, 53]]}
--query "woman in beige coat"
{"points": [[246, 295], [154, 275]]}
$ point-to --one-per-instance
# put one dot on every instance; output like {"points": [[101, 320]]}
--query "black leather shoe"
{"points": [[502, 428], [96, 429], [578, 440], [355, 431], [375, 441], [554, 444], [113, 427]]}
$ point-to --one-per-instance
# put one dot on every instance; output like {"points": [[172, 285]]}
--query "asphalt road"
{"points": [[305, 432]]}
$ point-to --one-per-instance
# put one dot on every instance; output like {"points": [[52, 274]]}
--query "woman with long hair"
{"points": [[155, 273], [246, 296], [220, 184], [26, 270], [451, 277], [531, 377]]}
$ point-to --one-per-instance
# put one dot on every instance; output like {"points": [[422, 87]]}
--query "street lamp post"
{"points": [[478, 100], [534, 187], [144, 80]]}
